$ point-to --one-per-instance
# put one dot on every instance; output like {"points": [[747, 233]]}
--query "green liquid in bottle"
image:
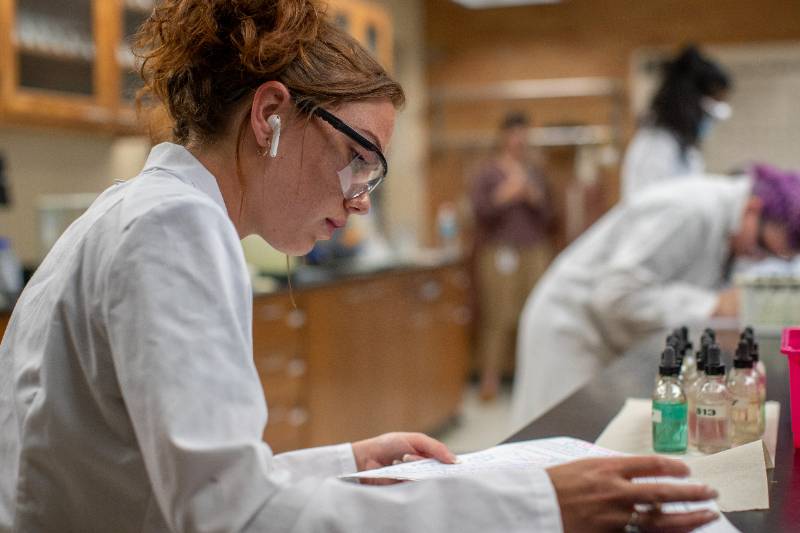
{"points": [[670, 432]]}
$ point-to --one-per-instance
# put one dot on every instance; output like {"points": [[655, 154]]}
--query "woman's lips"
{"points": [[333, 225]]}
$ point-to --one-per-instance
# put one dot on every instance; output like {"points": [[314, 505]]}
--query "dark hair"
{"points": [[514, 119], [199, 58], [676, 106]]}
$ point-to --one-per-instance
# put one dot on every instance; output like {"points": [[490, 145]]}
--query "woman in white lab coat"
{"points": [[690, 100], [129, 401], [650, 264]]}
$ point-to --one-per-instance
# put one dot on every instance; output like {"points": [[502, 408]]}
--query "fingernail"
{"points": [[711, 515], [396, 462], [712, 494], [406, 458]]}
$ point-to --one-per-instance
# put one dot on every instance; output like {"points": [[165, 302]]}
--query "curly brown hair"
{"points": [[201, 58]]}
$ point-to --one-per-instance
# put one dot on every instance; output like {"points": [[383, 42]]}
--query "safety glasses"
{"points": [[366, 171]]}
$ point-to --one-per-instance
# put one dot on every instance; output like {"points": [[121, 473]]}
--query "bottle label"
{"points": [[712, 411], [657, 416]]}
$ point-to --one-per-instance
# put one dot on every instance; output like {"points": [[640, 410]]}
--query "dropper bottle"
{"points": [[669, 407], [713, 406], [691, 388], [688, 363], [761, 375], [744, 389]]}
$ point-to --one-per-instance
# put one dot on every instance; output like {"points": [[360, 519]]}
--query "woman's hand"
{"points": [[389, 448], [598, 495]]}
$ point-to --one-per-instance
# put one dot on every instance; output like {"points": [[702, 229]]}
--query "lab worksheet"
{"points": [[542, 453]]}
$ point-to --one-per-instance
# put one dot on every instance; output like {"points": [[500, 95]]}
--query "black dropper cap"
{"points": [[742, 358], [710, 333], [674, 341], [714, 364], [669, 362], [754, 353]]}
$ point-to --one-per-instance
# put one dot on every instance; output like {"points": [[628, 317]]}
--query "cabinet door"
{"points": [[370, 24], [52, 72]]}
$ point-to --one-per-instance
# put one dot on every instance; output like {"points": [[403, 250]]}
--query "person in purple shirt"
{"points": [[510, 203]]}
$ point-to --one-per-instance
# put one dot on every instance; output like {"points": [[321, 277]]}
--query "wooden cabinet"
{"points": [[57, 62], [370, 23], [387, 353], [68, 62]]}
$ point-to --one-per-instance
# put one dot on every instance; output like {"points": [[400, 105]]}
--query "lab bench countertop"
{"points": [[586, 413]]}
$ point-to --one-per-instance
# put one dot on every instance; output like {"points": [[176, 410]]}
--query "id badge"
{"points": [[506, 260]]}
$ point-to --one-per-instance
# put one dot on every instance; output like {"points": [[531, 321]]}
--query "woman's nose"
{"points": [[359, 205]]}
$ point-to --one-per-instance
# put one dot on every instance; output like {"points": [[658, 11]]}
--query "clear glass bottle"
{"points": [[761, 375], [746, 412], [693, 388], [713, 406], [670, 433]]}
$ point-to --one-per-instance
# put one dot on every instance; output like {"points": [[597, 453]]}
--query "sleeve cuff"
{"points": [[545, 502], [347, 460]]}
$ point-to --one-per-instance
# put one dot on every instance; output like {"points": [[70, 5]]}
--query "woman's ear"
{"points": [[271, 99]]}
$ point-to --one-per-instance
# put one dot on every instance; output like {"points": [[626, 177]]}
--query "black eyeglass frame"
{"points": [[341, 126]]}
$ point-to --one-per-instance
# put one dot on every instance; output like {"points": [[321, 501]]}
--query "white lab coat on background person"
{"points": [[129, 400], [652, 263], [654, 157]]}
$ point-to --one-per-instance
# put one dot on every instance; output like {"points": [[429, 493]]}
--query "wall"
{"points": [[405, 185], [575, 38], [57, 162]]}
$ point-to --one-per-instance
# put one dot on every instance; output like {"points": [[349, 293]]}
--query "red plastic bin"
{"points": [[790, 346]]}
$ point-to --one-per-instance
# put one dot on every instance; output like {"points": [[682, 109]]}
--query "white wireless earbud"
{"points": [[275, 123]]}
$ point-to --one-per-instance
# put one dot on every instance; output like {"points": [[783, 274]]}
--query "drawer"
{"points": [[277, 325]]}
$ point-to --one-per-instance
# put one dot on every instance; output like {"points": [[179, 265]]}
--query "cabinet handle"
{"points": [[297, 416], [296, 368], [296, 319], [430, 291]]}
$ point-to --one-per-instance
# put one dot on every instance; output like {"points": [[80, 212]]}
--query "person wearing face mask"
{"points": [[129, 400], [653, 263], [690, 100]]}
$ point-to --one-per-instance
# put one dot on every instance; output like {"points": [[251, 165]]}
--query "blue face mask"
{"points": [[704, 128]]}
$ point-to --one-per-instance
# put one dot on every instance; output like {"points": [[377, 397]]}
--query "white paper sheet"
{"points": [[543, 453], [738, 474]]}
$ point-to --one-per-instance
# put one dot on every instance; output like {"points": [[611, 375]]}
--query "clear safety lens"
{"points": [[362, 175]]}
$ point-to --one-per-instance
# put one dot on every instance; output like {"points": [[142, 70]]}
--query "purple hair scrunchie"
{"points": [[779, 191]]}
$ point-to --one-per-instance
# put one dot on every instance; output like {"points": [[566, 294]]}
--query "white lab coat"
{"points": [[653, 157], [129, 401], [653, 263]]}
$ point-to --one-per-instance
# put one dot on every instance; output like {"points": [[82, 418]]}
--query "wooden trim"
{"points": [[8, 63], [107, 37]]}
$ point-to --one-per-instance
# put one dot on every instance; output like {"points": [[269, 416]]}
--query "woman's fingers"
{"points": [[675, 522], [650, 466], [667, 492], [429, 447]]}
